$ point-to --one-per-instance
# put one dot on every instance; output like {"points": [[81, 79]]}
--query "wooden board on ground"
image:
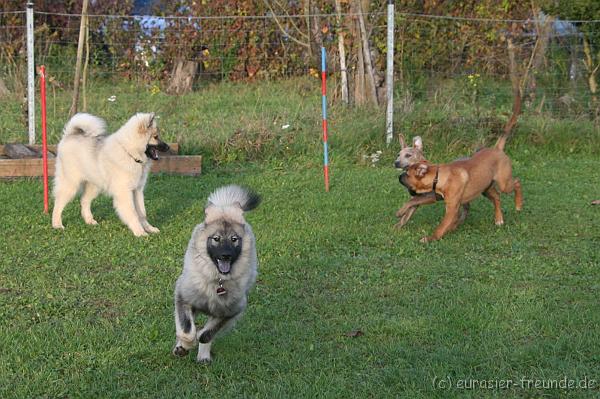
{"points": [[189, 165], [52, 148]]}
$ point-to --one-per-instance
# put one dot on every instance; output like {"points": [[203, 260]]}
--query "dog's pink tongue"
{"points": [[224, 266]]}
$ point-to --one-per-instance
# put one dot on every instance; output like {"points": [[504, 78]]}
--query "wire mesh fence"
{"points": [[434, 56]]}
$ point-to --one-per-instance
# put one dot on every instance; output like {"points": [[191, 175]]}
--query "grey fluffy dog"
{"points": [[219, 269]]}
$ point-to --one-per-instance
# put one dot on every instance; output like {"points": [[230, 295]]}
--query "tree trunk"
{"points": [[80, 44], [182, 77], [317, 38], [4, 92], [359, 77], [86, 64], [543, 36], [342, 51], [516, 86], [306, 9], [589, 64], [371, 88]]}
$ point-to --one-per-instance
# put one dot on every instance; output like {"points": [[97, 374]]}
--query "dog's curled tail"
{"points": [[234, 195], [502, 141], [85, 124]]}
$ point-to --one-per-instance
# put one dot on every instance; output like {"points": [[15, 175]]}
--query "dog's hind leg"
{"points": [[507, 184], [185, 329], [90, 191], [518, 195], [124, 205], [493, 195], [138, 197], [64, 192], [209, 331]]}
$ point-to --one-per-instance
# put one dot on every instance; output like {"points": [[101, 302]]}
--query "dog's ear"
{"points": [[402, 142], [210, 211], [418, 143], [421, 169], [151, 120]]}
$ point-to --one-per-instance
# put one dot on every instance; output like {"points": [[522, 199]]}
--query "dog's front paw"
{"points": [[204, 360], [139, 233], [426, 239], [58, 226], [400, 224], [92, 222], [180, 351], [204, 354], [151, 229]]}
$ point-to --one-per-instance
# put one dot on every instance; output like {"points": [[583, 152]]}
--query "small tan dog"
{"points": [[459, 182], [407, 156]]}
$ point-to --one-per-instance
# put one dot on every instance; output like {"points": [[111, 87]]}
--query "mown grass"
{"points": [[87, 312]]}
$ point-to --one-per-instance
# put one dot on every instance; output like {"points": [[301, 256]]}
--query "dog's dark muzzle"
{"points": [[153, 149], [402, 180], [163, 147]]}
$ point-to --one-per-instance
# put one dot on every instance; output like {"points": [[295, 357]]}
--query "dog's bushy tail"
{"points": [[85, 124], [232, 195]]}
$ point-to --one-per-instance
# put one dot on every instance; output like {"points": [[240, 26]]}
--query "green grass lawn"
{"points": [[88, 312]]}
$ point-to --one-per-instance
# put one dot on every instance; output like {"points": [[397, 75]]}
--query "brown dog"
{"points": [[406, 157], [459, 182]]}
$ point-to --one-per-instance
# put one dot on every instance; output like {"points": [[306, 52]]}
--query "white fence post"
{"points": [[389, 74], [30, 73]]}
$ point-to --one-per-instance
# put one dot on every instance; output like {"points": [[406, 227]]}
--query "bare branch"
{"points": [[281, 27], [293, 23]]}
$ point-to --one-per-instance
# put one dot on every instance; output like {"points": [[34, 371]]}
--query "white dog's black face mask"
{"points": [[155, 144], [224, 247], [153, 149]]}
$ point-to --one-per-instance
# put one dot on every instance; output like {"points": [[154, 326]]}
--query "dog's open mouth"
{"points": [[152, 150], [224, 266]]}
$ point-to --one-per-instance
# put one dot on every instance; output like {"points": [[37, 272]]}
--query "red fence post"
{"points": [[44, 137]]}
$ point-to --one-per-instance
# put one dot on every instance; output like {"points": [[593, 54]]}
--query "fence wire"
{"points": [[461, 56]]}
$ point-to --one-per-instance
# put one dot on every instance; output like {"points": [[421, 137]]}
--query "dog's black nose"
{"points": [[397, 164], [225, 257]]}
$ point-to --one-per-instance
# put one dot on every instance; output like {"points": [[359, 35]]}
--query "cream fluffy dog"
{"points": [[118, 164]]}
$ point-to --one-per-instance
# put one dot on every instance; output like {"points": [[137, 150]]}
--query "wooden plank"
{"points": [[52, 148], [190, 165], [28, 167]]}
